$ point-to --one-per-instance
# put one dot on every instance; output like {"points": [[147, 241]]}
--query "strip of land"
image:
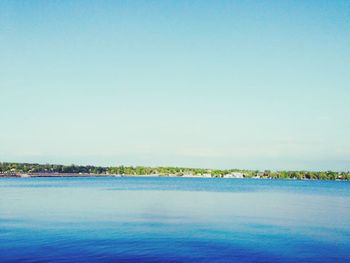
{"points": [[8, 169]]}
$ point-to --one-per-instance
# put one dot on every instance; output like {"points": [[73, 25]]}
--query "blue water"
{"points": [[173, 220]]}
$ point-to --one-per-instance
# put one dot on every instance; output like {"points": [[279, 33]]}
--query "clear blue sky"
{"points": [[222, 84]]}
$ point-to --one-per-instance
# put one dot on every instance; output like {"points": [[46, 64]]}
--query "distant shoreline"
{"points": [[77, 175], [57, 170]]}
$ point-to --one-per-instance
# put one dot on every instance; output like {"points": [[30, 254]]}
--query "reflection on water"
{"points": [[173, 219]]}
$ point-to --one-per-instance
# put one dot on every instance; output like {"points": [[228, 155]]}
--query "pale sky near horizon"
{"points": [[217, 84]]}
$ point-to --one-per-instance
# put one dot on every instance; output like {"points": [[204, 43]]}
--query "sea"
{"points": [[171, 219]]}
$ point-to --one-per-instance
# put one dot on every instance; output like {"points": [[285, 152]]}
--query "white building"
{"points": [[234, 175]]}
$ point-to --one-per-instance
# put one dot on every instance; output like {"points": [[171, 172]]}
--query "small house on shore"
{"points": [[236, 175]]}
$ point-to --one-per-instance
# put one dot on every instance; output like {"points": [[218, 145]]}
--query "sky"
{"points": [[212, 84]]}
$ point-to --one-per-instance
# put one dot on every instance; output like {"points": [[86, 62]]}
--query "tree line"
{"points": [[16, 169]]}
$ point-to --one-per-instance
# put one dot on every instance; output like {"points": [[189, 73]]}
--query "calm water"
{"points": [[173, 220]]}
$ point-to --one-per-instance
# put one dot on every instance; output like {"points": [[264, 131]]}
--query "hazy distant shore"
{"points": [[56, 170], [68, 175]]}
